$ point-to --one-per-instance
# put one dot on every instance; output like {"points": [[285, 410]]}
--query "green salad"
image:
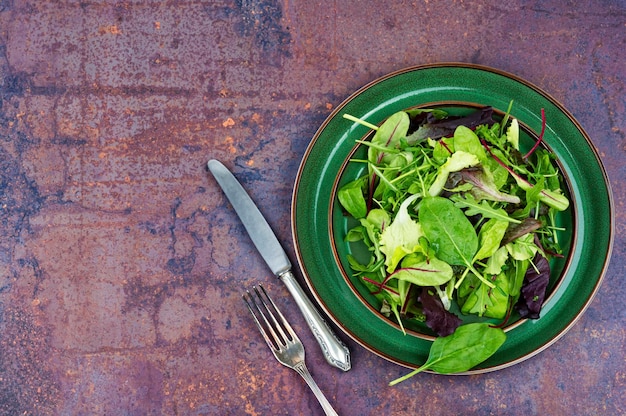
{"points": [[456, 221]]}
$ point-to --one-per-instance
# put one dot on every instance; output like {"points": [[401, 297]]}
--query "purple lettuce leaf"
{"points": [[484, 186], [426, 126], [438, 318], [515, 231], [534, 288]]}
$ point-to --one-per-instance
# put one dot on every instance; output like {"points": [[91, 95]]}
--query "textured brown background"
{"points": [[121, 264]]}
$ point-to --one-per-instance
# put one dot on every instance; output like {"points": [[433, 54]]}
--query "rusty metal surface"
{"points": [[121, 264]]}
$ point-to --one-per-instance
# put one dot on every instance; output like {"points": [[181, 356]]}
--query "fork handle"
{"points": [[335, 352], [304, 372]]}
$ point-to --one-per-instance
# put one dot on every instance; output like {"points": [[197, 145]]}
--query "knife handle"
{"points": [[335, 351]]}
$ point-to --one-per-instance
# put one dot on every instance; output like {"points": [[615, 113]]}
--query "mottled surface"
{"points": [[121, 263]]}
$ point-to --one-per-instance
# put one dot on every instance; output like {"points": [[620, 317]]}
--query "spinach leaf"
{"points": [[468, 346], [448, 230]]}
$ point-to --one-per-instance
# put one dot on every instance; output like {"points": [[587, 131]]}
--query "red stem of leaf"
{"points": [[382, 286], [543, 129], [506, 318], [501, 163]]}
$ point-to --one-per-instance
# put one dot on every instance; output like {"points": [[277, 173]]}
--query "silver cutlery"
{"points": [[335, 351], [281, 338]]}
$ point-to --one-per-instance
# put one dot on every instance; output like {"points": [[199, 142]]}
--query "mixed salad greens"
{"points": [[456, 221]]}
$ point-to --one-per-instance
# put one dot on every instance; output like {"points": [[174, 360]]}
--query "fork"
{"points": [[281, 338]]}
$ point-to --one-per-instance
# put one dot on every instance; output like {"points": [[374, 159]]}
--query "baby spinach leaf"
{"points": [[448, 230], [468, 346], [466, 140]]}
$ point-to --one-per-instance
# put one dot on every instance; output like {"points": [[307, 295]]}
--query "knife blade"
{"points": [[335, 351]]}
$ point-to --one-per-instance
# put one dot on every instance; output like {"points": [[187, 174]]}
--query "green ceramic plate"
{"points": [[319, 228]]}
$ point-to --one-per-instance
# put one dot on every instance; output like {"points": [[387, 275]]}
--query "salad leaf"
{"points": [[469, 345], [528, 225], [388, 135], [512, 134], [401, 237], [484, 186], [458, 161], [534, 289], [490, 237], [351, 198], [424, 272], [496, 262], [442, 127], [483, 208], [438, 318], [448, 230], [523, 248], [467, 141]]}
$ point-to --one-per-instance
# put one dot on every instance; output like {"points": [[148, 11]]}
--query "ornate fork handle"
{"points": [[335, 351]]}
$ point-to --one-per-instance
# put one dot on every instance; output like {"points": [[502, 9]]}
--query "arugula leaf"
{"points": [[481, 208]]}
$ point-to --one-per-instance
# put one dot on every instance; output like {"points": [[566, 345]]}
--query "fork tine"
{"points": [[262, 329], [280, 339], [283, 325], [286, 347]]}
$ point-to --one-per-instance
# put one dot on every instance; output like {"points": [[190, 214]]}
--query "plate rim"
{"points": [[480, 68]]}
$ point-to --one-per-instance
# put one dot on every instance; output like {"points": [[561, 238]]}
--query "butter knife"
{"points": [[335, 351]]}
